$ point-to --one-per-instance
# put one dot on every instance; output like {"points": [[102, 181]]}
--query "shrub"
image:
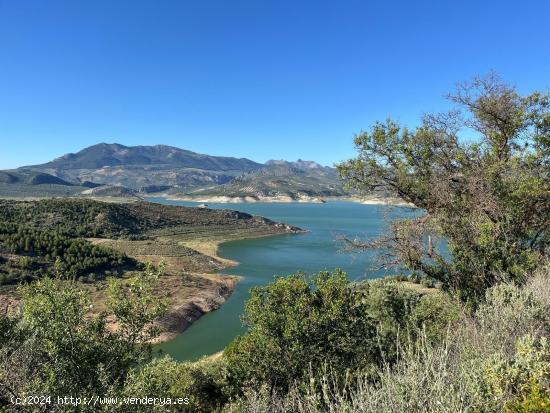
{"points": [[296, 322], [536, 401], [427, 282], [202, 382], [434, 314], [55, 348], [422, 381], [493, 360], [519, 377], [508, 314], [390, 306], [297, 325]]}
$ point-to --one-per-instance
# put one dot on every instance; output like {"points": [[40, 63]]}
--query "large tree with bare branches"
{"points": [[481, 173]]}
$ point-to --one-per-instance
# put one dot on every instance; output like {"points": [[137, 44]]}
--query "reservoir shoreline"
{"points": [[260, 259], [221, 199]]}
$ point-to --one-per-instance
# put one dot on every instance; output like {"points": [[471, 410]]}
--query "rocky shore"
{"points": [[287, 199], [184, 239]]}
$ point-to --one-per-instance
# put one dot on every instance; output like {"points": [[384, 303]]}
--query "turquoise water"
{"points": [[262, 258]]}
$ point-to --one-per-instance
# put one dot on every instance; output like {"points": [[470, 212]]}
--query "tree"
{"points": [[294, 323], [299, 325], [55, 348], [481, 174], [135, 306]]}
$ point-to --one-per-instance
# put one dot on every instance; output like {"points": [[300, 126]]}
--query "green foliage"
{"points": [[50, 231], [434, 314], [55, 348], [486, 363], [390, 306], [524, 378], [295, 323], [489, 199], [73, 217], [72, 256], [202, 382], [536, 401], [510, 313], [296, 326], [67, 349], [135, 306]]}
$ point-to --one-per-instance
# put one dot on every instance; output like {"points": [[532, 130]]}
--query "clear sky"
{"points": [[258, 79]]}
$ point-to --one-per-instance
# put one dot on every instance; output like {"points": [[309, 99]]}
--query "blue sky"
{"points": [[257, 79]]}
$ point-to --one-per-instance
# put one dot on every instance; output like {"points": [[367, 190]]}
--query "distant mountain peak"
{"points": [[300, 163], [276, 162], [142, 166], [116, 155], [105, 144], [113, 169]]}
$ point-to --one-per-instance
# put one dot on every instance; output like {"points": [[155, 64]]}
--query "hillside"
{"points": [[137, 167], [27, 183], [36, 237], [28, 177], [114, 170], [138, 220], [90, 241], [279, 180]]}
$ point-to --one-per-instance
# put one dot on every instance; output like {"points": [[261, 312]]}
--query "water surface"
{"points": [[261, 259]]}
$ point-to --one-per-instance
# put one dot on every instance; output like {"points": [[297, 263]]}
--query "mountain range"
{"points": [[278, 180], [117, 170]]}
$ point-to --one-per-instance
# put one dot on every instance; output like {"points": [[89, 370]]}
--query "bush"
{"points": [[53, 347], [203, 382], [493, 360], [422, 381], [297, 325], [508, 314], [434, 314], [426, 378], [427, 282], [296, 322], [520, 377], [390, 305], [536, 401]]}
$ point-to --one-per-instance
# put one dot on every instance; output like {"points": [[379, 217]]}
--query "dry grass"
{"points": [[419, 288], [188, 284], [189, 296], [477, 368], [210, 249], [177, 257]]}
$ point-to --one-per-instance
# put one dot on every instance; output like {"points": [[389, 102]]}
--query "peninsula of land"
{"points": [[91, 241]]}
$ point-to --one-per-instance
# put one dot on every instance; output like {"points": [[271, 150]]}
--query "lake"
{"points": [[261, 259]]}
